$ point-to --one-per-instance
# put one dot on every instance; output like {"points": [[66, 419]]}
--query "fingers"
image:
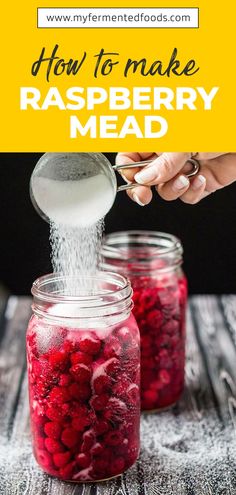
{"points": [[196, 191], [181, 187], [164, 168], [141, 195], [131, 157], [207, 156], [167, 174], [173, 189], [126, 157]]}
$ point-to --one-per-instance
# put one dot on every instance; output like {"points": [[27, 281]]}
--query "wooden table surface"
{"points": [[188, 450]]}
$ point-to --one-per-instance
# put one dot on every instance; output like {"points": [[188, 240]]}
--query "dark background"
{"points": [[207, 230]]}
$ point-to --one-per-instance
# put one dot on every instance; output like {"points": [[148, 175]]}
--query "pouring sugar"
{"points": [[74, 203]]}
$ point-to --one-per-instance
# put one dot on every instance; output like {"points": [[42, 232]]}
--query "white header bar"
{"points": [[118, 18]]}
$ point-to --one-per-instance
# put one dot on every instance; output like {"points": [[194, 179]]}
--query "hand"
{"points": [[166, 173]]}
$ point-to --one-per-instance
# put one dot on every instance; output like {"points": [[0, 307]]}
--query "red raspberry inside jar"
{"points": [[152, 261], [83, 369]]}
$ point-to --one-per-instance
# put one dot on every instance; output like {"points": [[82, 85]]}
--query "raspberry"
{"points": [[133, 451], [112, 348], [148, 363], [138, 313], [82, 392], [146, 342], [101, 383], [90, 344], [100, 466], [121, 387], [171, 327], [81, 357], [69, 346], [96, 449], [37, 367], [122, 449], [142, 324], [39, 443], [83, 460], [112, 366], [157, 385], [58, 395], [80, 372], [64, 380], [163, 341], [77, 409], [85, 392], [147, 352], [88, 440], [133, 395], [53, 430], [118, 465], [80, 423], [115, 410], [163, 358], [155, 318], [38, 413], [148, 299], [60, 460], [148, 375], [57, 413], [99, 402], [176, 342], [44, 458], [124, 336], [41, 388], [70, 437], [131, 363], [164, 377], [136, 296], [150, 398], [67, 471], [113, 437], [74, 390], [58, 359], [101, 426], [53, 446]]}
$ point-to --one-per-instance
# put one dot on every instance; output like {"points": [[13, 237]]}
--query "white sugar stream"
{"points": [[75, 254]]}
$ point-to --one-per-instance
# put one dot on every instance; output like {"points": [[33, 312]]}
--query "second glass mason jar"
{"points": [[152, 261], [84, 369]]}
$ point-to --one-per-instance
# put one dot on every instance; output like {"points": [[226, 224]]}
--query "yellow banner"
{"points": [[112, 79]]}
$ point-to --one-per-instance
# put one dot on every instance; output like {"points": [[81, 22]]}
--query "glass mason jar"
{"points": [[152, 261], [84, 370]]}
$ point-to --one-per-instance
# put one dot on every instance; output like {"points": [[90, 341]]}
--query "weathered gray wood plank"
{"points": [[219, 354], [12, 361], [218, 350]]}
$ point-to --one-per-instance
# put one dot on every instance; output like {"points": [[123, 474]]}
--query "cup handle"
{"points": [[195, 169]]}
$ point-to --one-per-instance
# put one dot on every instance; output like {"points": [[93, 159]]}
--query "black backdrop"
{"points": [[207, 230]]}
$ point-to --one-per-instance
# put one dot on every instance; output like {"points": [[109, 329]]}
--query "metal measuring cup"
{"points": [[77, 167], [191, 173]]}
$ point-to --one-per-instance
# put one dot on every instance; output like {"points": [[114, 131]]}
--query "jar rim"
{"points": [[47, 290], [141, 252], [161, 242]]}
